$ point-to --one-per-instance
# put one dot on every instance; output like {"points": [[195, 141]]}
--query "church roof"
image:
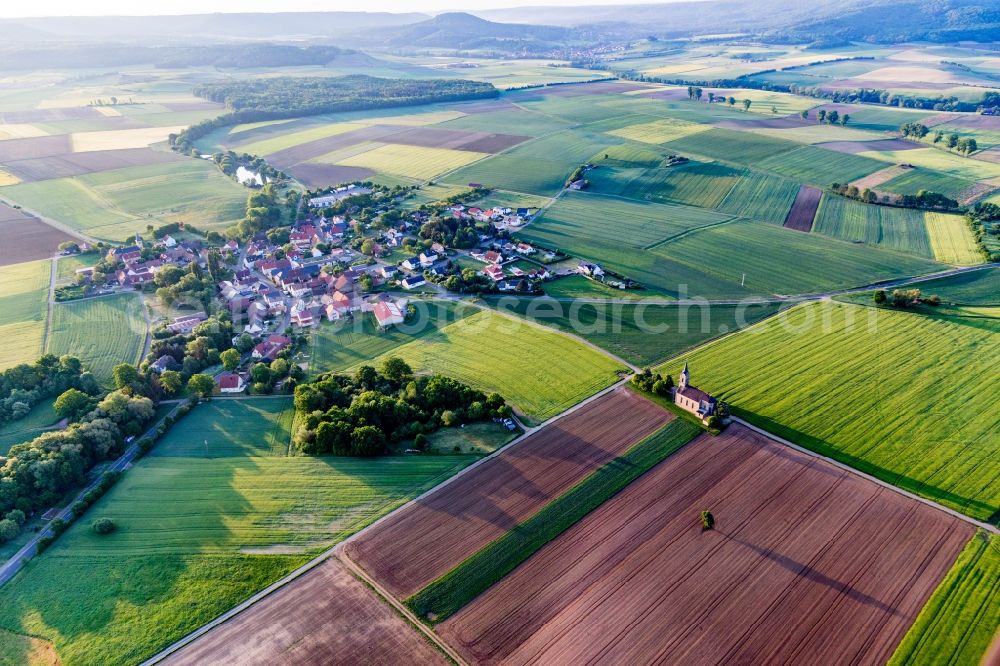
{"points": [[695, 394]]}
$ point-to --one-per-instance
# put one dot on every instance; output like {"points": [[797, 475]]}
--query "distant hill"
{"points": [[459, 30]]}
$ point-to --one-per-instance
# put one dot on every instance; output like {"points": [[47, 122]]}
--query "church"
{"points": [[693, 399]]}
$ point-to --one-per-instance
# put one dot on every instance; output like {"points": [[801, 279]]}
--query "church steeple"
{"points": [[685, 378]]}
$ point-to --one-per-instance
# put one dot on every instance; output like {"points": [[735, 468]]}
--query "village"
{"points": [[282, 283]]}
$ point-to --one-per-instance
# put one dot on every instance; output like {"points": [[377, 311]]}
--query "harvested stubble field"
{"points": [[429, 538], [326, 616], [800, 217], [807, 564]]}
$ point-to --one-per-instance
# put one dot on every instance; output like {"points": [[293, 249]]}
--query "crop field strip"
{"points": [[539, 371], [216, 512], [880, 408], [326, 616], [958, 623], [448, 594], [426, 540], [803, 211], [807, 559], [901, 229], [951, 239], [26, 238]]}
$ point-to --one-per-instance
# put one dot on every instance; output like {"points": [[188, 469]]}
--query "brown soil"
{"points": [[36, 146], [430, 537], [807, 563], [435, 137], [76, 164], [873, 180], [26, 238], [322, 175], [324, 617], [51, 115], [304, 152], [800, 217]]}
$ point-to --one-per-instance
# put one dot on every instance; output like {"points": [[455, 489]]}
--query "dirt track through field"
{"points": [[430, 537], [324, 617], [808, 564], [801, 215]]}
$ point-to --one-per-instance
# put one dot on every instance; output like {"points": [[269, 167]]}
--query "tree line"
{"points": [[25, 385], [362, 414], [254, 100]]}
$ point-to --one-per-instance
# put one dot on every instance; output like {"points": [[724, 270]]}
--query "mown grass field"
{"points": [[641, 333], [101, 332], [959, 622], [900, 229], [951, 239], [540, 372], [23, 293], [411, 161], [449, 593], [110, 205], [940, 160], [578, 286], [877, 389], [215, 513]]}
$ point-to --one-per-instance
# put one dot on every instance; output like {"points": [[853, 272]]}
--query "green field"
{"points": [[959, 622], [110, 205], [66, 266], [938, 159], [902, 229], [914, 180], [449, 593], [414, 162], [337, 346], [578, 286], [215, 513], [580, 217], [643, 333], [23, 292], [713, 261], [696, 184], [101, 332], [507, 121], [761, 196], [742, 148], [660, 131], [539, 371], [876, 389], [819, 166], [980, 287]]}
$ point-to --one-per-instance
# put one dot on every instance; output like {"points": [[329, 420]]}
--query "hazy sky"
{"points": [[18, 8]]}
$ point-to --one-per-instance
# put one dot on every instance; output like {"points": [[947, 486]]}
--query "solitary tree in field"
{"points": [[707, 520], [805, 114], [731, 101], [746, 104], [880, 297], [711, 98], [844, 118], [774, 109], [821, 115]]}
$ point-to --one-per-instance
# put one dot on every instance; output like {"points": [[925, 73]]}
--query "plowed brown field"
{"points": [[324, 617], [808, 564], [427, 539], [800, 217]]}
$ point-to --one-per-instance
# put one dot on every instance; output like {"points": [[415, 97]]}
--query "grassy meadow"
{"points": [[214, 513], [878, 389], [101, 332]]}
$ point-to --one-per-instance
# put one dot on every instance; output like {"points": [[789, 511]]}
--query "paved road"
{"points": [[11, 567]]}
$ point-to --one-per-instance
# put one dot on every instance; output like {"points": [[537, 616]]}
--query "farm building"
{"points": [[388, 313], [692, 399]]}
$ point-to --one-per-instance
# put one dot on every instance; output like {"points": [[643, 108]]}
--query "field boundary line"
{"points": [[387, 598], [47, 332], [332, 551], [885, 484]]}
